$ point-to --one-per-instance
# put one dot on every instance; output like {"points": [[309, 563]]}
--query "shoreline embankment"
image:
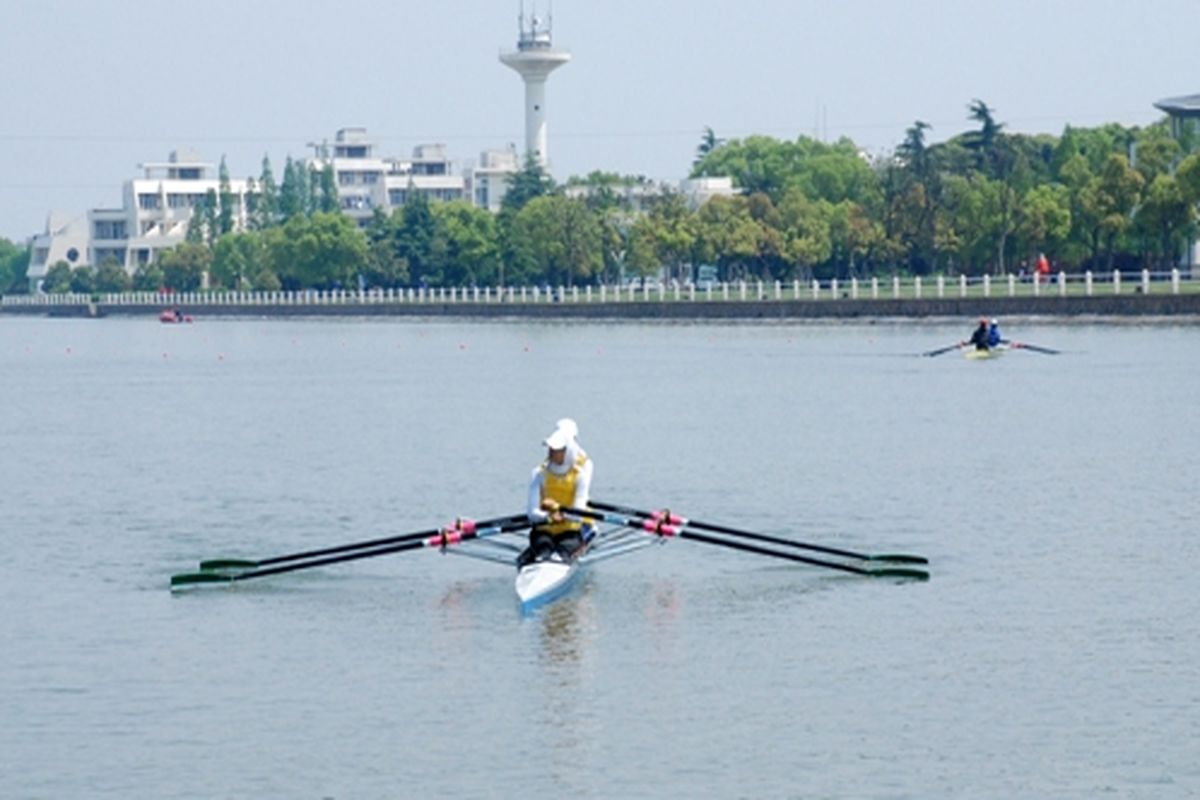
{"points": [[1130, 305]]}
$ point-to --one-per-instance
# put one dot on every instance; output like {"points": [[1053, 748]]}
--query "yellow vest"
{"points": [[561, 489]]}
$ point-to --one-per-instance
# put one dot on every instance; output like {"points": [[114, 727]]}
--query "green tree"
{"points": [[83, 280], [14, 263], [327, 201], [58, 278], [324, 251], [197, 230], [1044, 219], [806, 233], [1156, 153], [708, 143], [671, 231], [384, 267], [237, 258], [472, 245], [530, 182], [1164, 218], [987, 143], [1112, 198], [226, 202], [293, 192], [562, 239], [268, 197], [728, 236], [184, 265], [111, 276], [148, 278], [420, 240]]}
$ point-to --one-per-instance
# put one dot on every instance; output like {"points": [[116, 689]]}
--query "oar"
{"points": [[941, 350], [225, 564], [441, 538], [660, 528], [1047, 350], [893, 558]]}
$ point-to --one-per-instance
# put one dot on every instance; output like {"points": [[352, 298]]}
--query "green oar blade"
{"points": [[899, 572], [220, 564], [188, 579], [899, 558]]}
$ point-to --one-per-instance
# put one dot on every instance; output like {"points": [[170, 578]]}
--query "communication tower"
{"points": [[534, 59]]}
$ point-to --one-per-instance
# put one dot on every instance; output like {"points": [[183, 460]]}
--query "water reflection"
{"points": [[563, 634]]}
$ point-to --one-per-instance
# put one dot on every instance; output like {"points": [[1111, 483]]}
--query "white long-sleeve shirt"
{"points": [[583, 484]]}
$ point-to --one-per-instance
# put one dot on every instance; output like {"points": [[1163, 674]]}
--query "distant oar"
{"points": [[665, 529], [892, 558], [1047, 350], [227, 564], [443, 538], [941, 350]]}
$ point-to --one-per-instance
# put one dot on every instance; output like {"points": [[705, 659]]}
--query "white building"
{"points": [[366, 182], [154, 216], [65, 239], [636, 195], [157, 207], [491, 177]]}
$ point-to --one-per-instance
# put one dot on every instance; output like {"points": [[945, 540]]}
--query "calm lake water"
{"points": [[1054, 653]]}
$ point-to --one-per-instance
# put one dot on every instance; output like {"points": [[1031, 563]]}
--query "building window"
{"points": [[110, 230], [149, 201], [370, 177], [345, 179], [397, 197]]}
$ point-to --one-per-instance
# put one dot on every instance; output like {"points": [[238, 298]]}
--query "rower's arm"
{"points": [[583, 485], [533, 504]]}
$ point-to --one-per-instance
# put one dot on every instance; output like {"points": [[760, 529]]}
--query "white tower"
{"points": [[535, 58]]}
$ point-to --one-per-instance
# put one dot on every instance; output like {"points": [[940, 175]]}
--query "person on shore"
{"points": [[979, 337], [1043, 268], [994, 337], [563, 480]]}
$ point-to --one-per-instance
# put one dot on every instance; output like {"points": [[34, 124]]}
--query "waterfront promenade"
{"points": [[1112, 294]]}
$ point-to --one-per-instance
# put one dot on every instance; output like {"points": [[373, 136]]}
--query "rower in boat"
{"points": [[994, 337], [563, 480], [979, 337]]}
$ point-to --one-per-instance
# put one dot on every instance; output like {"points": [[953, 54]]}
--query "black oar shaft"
{"points": [[941, 350], [666, 528], [320, 562], [751, 548], [1047, 350], [439, 538], [818, 548], [372, 543]]}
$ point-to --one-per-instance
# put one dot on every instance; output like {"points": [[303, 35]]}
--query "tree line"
{"points": [[984, 201]]}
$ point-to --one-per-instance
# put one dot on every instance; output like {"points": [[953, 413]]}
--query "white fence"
{"points": [[1061, 284]]}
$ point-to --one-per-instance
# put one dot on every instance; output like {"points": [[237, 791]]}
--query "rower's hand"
{"points": [[552, 509]]}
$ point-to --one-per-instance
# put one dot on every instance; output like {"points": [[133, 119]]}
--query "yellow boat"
{"points": [[978, 355]]}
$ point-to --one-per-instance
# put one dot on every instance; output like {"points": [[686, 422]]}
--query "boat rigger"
{"points": [[552, 573]]}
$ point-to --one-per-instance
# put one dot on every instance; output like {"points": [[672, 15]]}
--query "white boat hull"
{"points": [[543, 581]]}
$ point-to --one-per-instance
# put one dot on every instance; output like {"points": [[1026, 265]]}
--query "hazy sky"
{"points": [[90, 89]]}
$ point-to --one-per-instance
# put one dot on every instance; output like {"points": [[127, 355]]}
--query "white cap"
{"points": [[568, 426], [557, 440]]}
